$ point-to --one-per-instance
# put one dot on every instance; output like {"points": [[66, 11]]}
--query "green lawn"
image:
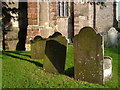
{"points": [[19, 71]]}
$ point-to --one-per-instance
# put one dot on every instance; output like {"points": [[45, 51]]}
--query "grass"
{"points": [[0, 70], [20, 71]]}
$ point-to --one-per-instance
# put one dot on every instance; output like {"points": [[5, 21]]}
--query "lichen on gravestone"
{"points": [[88, 56], [38, 47]]}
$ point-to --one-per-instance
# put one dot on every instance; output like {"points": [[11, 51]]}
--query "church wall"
{"points": [[53, 14], [104, 17], [33, 21], [62, 24], [42, 19], [81, 16], [10, 37], [119, 24], [84, 16]]}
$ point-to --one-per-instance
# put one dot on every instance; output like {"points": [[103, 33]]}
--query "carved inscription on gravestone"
{"points": [[88, 56], [38, 48], [55, 53]]}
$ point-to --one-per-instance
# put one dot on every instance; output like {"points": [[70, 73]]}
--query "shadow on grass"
{"points": [[22, 54], [19, 53], [70, 72], [13, 56]]}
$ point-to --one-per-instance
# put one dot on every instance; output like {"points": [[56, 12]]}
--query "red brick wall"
{"points": [[31, 33], [53, 13], [33, 13], [33, 20]]}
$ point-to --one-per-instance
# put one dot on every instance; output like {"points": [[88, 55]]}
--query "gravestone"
{"points": [[88, 56], [112, 37], [38, 48], [105, 35], [55, 53], [119, 38], [107, 66]]}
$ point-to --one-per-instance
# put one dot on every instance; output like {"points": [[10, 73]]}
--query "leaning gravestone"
{"points": [[88, 56], [38, 48], [112, 37], [55, 53]]}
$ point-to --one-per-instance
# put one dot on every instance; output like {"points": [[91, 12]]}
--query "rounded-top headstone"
{"points": [[88, 56], [112, 37], [38, 47], [56, 34], [38, 38]]}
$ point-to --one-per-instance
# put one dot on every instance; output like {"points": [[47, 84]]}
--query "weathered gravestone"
{"points": [[38, 48], [105, 35], [55, 53], [107, 66], [88, 56], [112, 38]]}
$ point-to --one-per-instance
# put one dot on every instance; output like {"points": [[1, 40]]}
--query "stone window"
{"points": [[62, 9]]}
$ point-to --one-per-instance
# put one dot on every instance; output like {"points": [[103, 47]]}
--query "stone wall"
{"points": [[33, 20], [53, 14], [81, 14], [65, 24], [14, 37], [44, 14], [43, 20], [10, 37], [102, 19], [39, 18]]}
